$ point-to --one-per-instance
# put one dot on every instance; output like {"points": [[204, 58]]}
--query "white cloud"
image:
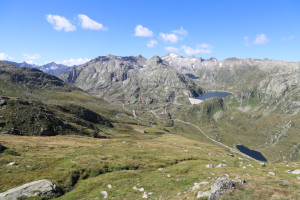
{"points": [[71, 62], [190, 50], [200, 48], [288, 38], [171, 49], [31, 57], [60, 23], [88, 23], [152, 43], [180, 31], [4, 56], [173, 38], [261, 39], [141, 31]]}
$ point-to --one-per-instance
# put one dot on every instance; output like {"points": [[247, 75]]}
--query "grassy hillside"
{"points": [[166, 165]]}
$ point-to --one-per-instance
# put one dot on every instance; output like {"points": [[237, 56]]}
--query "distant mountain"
{"points": [[132, 80], [50, 68]]}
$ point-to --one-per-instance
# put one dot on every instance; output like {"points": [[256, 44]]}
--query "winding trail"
{"points": [[209, 138]]}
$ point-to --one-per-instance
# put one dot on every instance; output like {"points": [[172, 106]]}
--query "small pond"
{"points": [[252, 153], [213, 94]]}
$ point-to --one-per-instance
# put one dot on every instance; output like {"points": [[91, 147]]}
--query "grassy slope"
{"points": [[91, 164]]}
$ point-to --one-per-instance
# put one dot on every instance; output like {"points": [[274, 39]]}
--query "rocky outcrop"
{"points": [[43, 188], [219, 188], [242, 96], [28, 117]]}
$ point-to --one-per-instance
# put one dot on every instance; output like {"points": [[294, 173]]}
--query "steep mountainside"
{"points": [[35, 103], [132, 80]]}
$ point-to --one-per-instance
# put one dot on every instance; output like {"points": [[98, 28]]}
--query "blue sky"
{"points": [[72, 32]]}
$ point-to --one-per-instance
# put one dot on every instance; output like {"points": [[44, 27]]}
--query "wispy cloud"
{"points": [[174, 36], [288, 38], [169, 37], [152, 43], [72, 62], [261, 39], [171, 49], [200, 48], [31, 56], [141, 31], [180, 31], [4, 56], [88, 23], [60, 23]]}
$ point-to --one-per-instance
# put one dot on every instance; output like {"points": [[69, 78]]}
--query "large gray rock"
{"points": [[36, 188], [219, 188], [296, 171]]}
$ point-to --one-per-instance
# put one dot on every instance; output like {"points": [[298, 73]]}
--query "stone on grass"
{"points": [[44, 188], [11, 164], [209, 166], [271, 173], [145, 196], [139, 189], [221, 165], [104, 194], [197, 185], [109, 186], [296, 171], [219, 187]]}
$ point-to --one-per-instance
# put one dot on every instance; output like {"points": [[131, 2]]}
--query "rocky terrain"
{"points": [[133, 80]]}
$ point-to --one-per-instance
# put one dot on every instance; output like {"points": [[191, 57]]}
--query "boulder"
{"points": [[296, 171], [43, 188], [219, 187]]}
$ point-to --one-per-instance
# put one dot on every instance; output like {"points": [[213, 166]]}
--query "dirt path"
{"points": [[211, 139]]}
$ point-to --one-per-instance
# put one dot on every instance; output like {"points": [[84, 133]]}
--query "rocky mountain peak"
{"points": [[155, 60], [213, 59]]}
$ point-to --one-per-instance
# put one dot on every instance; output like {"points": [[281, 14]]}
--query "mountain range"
{"points": [[50, 68], [142, 127]]}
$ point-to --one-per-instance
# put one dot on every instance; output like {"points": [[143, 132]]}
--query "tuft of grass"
{"points": [[10, 152]]}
